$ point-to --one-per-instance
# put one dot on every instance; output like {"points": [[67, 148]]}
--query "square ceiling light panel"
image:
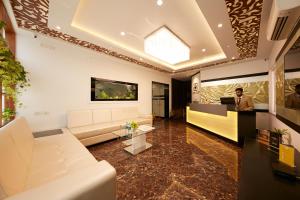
{"points": [[166, 46]]}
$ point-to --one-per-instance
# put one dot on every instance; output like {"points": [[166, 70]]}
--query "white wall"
{"points": [[248, 67], [60, 80]]}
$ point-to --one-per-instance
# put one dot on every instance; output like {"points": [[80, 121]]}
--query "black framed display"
{"points": [[110, 90]]}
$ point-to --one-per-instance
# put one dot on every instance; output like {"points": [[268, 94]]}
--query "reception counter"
{"points": [[222, 120]]}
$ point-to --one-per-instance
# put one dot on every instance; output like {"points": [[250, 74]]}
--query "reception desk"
{"points": [[222, 120]]}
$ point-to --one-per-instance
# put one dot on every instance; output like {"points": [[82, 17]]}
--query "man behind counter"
{"points": [[243, 102]]}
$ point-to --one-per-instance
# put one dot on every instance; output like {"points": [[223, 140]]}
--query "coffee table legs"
{"points": [[137, 144]]}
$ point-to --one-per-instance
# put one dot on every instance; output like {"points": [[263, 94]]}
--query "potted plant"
{"points": [[131, 127], [134, 126], [12, 75]]}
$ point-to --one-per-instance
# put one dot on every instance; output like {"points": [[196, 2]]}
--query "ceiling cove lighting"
{"points": [[166, 46]]}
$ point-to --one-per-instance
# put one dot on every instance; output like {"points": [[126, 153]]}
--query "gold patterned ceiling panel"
{"points": [[245, 16]]}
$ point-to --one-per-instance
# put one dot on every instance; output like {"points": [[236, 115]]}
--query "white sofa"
{"points": [[94, 126], [56, 167]]}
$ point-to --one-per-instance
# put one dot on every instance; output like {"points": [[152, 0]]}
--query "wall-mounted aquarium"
{"points": [[110, 90]]}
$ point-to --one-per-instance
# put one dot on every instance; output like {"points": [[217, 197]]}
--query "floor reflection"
{"points": [[183, 163], [220, 152]]}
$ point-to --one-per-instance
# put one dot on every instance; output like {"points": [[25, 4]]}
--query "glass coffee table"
{"points": [[137, 140]]}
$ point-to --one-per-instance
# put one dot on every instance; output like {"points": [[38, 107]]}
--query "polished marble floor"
{"points": [[184, 163]]}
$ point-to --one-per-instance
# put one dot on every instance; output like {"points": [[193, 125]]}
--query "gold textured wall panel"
{"points": [[289, 85], [284, 88], [279, 75], [259, 91]]}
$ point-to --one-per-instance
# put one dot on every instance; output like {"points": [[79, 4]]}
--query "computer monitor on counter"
{"points": [[227, 100]]}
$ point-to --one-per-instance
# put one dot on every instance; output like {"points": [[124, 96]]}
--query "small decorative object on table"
{"points": [[131, 127]]}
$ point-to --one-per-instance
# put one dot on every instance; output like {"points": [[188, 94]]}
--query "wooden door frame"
{"points": [[167, 114]]}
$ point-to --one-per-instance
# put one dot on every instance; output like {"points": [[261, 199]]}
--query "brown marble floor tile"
{"points": [[184, 163]]}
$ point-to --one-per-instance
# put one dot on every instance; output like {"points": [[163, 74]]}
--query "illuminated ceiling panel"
{"points": [[166, 46]]}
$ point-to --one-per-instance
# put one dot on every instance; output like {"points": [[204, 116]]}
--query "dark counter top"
{"points": [[216, 109], [257, 181]]}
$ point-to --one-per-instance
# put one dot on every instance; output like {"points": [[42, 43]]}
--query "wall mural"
{"points": [[259, 91], [289, 85], [279, 74], [287, 77]]}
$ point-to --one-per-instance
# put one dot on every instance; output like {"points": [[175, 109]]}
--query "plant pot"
{"points": [[286, 139], [275, 140]]}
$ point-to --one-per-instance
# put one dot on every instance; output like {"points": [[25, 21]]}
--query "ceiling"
{"points": [[97, 24], [139, 18]]}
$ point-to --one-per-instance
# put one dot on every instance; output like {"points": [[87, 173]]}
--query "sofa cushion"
{"points": [[103, 128], [96, 129], [141, 121], [13, 168], [65, 154], [101, 116], [80, 118], [23, 138], [2, 193], [126, 113]]}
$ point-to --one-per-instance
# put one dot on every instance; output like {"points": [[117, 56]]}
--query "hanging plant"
{"points": [[8, 115], [12, 74]]}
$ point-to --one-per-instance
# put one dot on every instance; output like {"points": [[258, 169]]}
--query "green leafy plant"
{"points": [[2, 24], [8, 114], [280, 131], [12, 74], [134, 125]]}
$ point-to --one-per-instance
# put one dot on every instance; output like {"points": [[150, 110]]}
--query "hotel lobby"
{"points": [[150, 99]]}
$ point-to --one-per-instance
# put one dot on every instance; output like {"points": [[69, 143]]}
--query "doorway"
{"points": [[160, 100], [181, 97]]}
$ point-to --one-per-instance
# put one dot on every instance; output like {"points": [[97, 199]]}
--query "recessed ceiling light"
{"points": [[203, 50], [58, 27], [233, 58], [159, 2], [123, 33], [220, 25], [141, 59]]}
